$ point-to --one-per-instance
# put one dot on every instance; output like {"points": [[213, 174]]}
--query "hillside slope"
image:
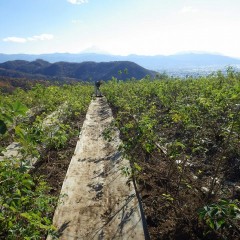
{"points": [[86, 71]]}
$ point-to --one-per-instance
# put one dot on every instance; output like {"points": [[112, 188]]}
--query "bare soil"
{"points": [[171, 200]]}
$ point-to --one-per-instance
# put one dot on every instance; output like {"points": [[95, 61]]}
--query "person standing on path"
{"points": [[97, 89]]}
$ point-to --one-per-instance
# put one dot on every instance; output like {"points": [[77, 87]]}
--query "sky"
{"points": [[120, 27]]}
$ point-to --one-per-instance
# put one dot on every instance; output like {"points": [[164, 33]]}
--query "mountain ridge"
{"points": [[157, 62], [84, 71]]}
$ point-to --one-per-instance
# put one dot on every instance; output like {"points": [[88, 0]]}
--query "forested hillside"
{"points": [[65, 71]]}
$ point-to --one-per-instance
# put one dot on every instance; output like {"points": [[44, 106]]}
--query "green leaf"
{"points": [[26, 215], [27, 183], [10, 224], [19, 132], [7, 118], [18, 192], [179, 144], [13, 209], [19, 108], [220, 223], [126, 171], [213, 212], [210, 223], [137, 167], [201, 213]]}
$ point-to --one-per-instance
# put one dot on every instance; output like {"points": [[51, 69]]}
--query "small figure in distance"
{"points": [[97, 88]]}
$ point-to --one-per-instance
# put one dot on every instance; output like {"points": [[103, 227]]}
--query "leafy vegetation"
{"points": [[184, 136], [39, 121], [223, 214], [26, 207], [181, 137]]}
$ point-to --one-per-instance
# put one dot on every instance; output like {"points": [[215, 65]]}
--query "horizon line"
{"points": [[130, 54]]}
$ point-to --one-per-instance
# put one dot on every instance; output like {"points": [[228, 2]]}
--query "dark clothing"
{"points": [[97, 89], [98, 84]]}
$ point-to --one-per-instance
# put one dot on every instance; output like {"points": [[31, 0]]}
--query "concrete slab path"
{"points": [[96, 202]]}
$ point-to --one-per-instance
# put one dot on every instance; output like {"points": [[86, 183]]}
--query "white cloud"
{"points": [[188, 9], [77, 1], [15, 39], [41, 37]]}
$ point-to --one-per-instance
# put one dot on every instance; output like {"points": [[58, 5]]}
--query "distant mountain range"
{"points": [[158, 62], [66, 71]]}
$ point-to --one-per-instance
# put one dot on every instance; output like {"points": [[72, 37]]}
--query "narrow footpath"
{"points": [[96, 202]]}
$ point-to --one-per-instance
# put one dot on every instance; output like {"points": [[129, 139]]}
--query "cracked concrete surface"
{"points": [[96, 202]]}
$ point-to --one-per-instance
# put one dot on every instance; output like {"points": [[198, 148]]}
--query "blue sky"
{"points": [[144, 27]]}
